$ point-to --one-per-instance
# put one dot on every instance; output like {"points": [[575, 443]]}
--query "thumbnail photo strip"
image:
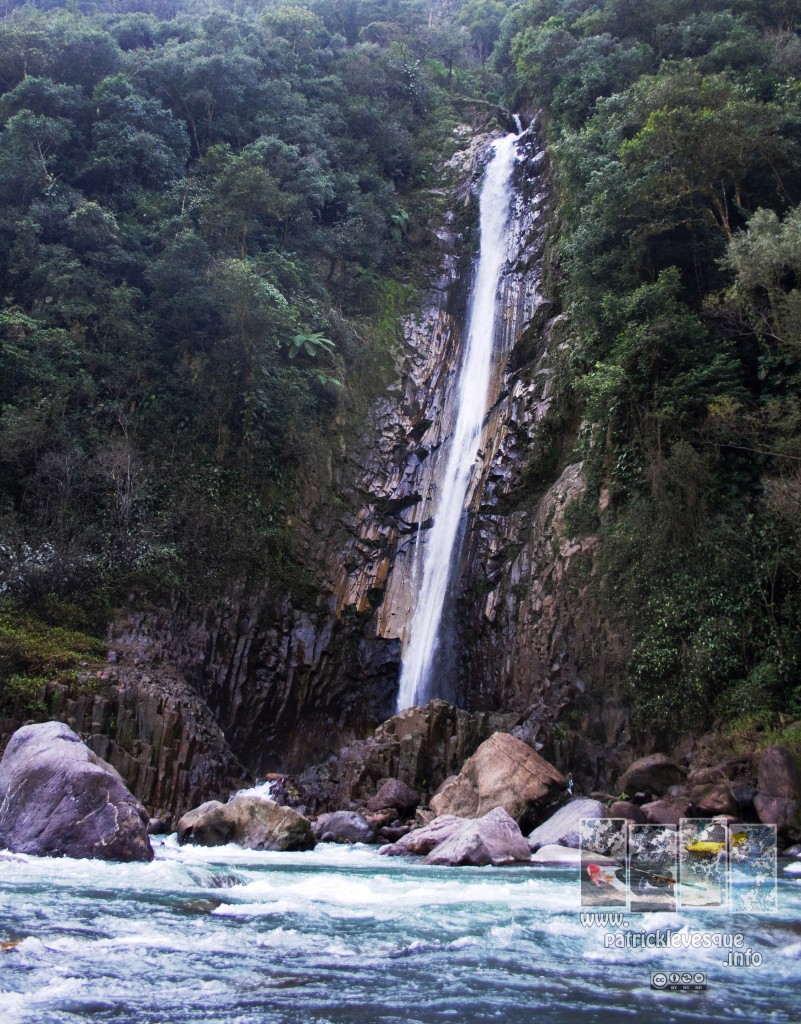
{"points": [[699, 864]]}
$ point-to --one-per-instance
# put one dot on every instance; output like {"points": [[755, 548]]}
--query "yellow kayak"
{"points": [[707, 846], [704, 846]]}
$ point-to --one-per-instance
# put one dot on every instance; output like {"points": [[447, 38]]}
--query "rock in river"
{"points": [[250, 821], [343, 827], [562, 828], [495, 838], [503, 772], [59, 799]]}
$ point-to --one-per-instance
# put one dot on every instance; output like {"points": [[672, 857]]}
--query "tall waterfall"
{"points": [[474, 383]]}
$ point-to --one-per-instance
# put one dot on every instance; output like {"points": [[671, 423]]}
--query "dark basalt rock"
{"points": [[59, 799], [394, 793], [343, 827], [652, 774]]}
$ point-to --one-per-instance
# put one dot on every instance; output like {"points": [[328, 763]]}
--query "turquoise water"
{"points": [[227, 936]]}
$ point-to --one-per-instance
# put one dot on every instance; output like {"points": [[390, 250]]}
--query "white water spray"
{"points": [[474, 386]]}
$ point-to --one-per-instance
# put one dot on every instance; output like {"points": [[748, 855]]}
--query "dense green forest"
{"points": [[210, 215], [203, 211], [675, 127]]}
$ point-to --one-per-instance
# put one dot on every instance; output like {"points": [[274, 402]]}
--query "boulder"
{"points": [[495, 838], [777, 774], [59, 799], [665, 812], [343, 827], [394, 793], [784, 814], [252, 822], [562, 828], [423, 840], [778, 801], [420, 743], [707, 801], [503, 772], [392, 835], [652, 774], [626, 809]]}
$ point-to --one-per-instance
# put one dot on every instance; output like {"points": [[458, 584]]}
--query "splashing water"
{"points": [[474, 384]]}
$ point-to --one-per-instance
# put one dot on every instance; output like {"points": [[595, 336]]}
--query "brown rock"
{"points": [[778, 775], [503, 772], [665, 812], [394, 793], [784, 814], [626, 809], [652, 774], [252, 822], [710, 800]]}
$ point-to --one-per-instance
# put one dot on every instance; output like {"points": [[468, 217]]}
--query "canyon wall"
{"points": [[266, 682]]}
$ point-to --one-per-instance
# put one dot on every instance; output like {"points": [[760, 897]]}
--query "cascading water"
{"points": [[474, 383]]}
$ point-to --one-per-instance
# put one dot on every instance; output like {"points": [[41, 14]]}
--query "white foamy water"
{"points": [[473, 393], [341, 935]]}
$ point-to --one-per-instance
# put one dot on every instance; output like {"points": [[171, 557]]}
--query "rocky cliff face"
{"points": [[258, 681]]}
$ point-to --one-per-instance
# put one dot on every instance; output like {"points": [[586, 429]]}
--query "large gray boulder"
{"points": [[59, 799], [423, 840], [494, 839], [343, 827], [503, 772], [562, 828], [249, 821]]}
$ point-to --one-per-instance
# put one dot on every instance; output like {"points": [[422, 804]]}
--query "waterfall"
{"points": [[474, 383]]}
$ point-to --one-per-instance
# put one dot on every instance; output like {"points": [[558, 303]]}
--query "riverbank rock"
{"points": [[252, 822], [59, 799], [396, 794], [711, 800], [343, 827], [423, 840], [653, 774], [778, 800], [562, 828], [420, 746], [503, 772], [666, 812], [626, 809], [494, 839]]}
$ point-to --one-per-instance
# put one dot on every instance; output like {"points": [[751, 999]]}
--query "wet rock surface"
{"points": [[564, 827], [252, 822], [343, 827], [494, 838], [59, 799]]}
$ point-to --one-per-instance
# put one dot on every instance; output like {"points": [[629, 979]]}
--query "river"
{"points": [[341, 934]]}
